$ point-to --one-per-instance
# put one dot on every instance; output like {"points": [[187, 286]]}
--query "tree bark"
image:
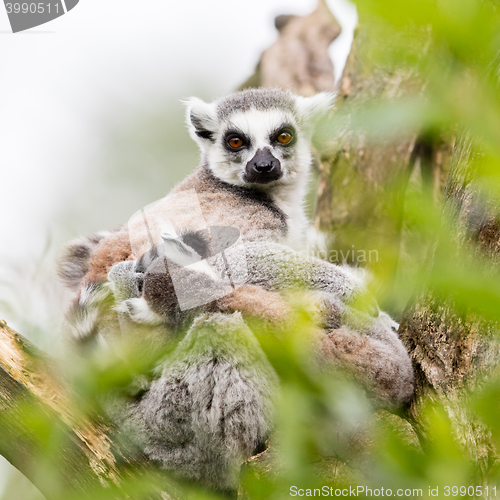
{"points": [[356, 176], [299, 59], [453, 349], [40, 421], [452, 352], [363, 181], [28, 384]]}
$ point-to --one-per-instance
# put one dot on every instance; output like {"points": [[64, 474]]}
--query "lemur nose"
{"points": [[264, 167]]}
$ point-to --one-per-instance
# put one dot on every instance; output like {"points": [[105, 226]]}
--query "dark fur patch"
{"points": [[196, 121], [263, 168], [160, 293], [205, 134], [201, 128], [198, 241], [233, 132]]}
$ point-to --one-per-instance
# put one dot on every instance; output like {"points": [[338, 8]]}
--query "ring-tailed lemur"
{"points": [[210, 408]]}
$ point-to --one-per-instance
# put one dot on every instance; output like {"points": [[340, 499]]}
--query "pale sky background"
{"points": [[65, 82]]}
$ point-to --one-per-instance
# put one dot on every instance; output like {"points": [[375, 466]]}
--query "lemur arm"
{"points": [[149, 297], [277, 267], [366, 347]]}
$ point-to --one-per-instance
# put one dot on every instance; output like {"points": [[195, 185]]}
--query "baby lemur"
{"points": [[221, 246]]}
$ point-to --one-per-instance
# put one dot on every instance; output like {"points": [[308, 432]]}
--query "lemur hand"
{"points": [[124, 281]]}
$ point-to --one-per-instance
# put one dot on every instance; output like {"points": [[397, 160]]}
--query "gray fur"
{"points": [[374, 352], [211, 402], [277, 267], [272, 266], [261, 99], [370, 350], [212, 405], [218, 369], [124, 281]]}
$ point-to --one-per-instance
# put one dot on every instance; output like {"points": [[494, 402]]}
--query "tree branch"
{"points": [[35, 410]]}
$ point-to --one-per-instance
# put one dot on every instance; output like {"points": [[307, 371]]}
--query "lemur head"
{"points": [[257, 137]]}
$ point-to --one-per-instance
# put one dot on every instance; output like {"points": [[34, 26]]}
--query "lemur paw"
{"points": [[139, 312], [126, 285]]}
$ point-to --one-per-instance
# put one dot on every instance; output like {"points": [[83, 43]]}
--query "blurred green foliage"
{"points": [[327, 433]]}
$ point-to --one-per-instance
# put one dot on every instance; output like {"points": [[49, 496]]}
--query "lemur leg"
{"points": [[248, 299], [254, 301], [212, 405], [126, 285], [375, 356], [149, 297]]}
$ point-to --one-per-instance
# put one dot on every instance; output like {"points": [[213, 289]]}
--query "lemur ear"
{"points": [[311, 109], [201, 119]]}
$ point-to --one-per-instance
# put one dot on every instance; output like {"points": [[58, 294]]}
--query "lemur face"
{"points": [[258, 147], [257, 138]]}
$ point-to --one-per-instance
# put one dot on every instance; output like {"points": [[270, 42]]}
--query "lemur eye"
{"points": [[235, 142], [284, 138]]}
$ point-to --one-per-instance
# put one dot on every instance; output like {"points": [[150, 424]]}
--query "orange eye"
{"points": [[284, 138], [235, 142]]}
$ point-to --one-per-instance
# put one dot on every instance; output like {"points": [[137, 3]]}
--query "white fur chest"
{"points": [[291, 201]]}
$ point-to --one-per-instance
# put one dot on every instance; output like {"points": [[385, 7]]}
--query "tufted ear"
{"points": [[201, 119], [310, 109]]}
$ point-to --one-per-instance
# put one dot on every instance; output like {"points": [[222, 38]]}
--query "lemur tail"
{"points": [[74, 263], [83, 314]]}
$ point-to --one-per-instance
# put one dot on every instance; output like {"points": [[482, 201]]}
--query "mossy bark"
{"points": [[363, 177], [33, 403], [41, 423], [453, 349]]}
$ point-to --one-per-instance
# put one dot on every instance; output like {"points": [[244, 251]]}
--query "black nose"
{"points": [[264, 167]]}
